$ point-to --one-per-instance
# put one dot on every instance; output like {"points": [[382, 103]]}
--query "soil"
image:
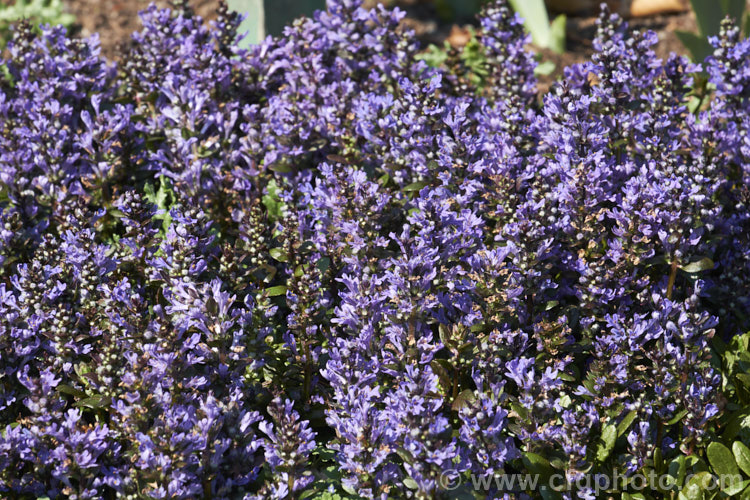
{"points": [[116, 20]]}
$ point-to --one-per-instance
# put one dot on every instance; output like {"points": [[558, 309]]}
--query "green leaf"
{"points": [[441, 368], [697, 464], [464, 491], [279, 254], [464, 398], [698, 47], [548, 493], [708, 16], [544, 68], [521, 410], [744, 378], [164, 199], [280, 167], [721, 459], [551, 305], [350, 490], [670, 483], [94, 402], [66, 389], [445, 334], [324, 453], [115, 212], [165, 195], [557, 34], [271, 199], [275, 291], [435, 57], [694, 104], [739, 421], [606, 442], [623, 426], [742, 456], [565, 401], [537, 464], [323, 264], [703, 264], [677, 417], [733, 9], [411, 484], [696, 488], [735, 487], [677, 470], [535, 19], [414, 186]]}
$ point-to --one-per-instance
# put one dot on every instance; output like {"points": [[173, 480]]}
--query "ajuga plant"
{"points": [[319, 268]]}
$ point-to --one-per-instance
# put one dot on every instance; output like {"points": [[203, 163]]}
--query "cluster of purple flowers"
{"points": [[225, 272]]}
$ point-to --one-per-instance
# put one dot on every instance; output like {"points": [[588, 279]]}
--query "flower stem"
{"points": [[672, 278]]}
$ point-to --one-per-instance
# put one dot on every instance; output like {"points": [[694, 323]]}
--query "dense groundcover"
{"points": [[320, 268]]}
